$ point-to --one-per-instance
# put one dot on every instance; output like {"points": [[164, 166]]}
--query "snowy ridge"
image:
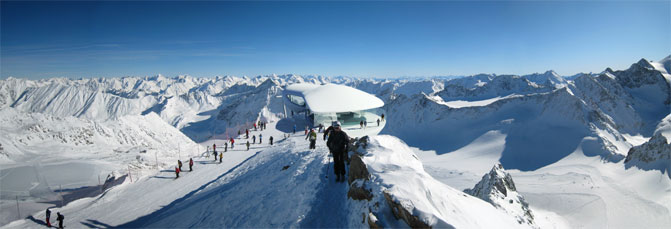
{"points": [[655, 153], [397, 173], [34, 132], [497, 187], [560, 139]]}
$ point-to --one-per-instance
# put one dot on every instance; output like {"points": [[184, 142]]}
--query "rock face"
{"points": [[357, 169], [401, 213], [358, 176], [497, 187], [652, 155]]}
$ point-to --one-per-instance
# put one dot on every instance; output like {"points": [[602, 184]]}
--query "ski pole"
{"points": [[328, 166]]}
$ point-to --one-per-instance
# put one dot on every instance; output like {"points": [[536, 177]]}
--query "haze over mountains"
{"points": [[604, 138]]}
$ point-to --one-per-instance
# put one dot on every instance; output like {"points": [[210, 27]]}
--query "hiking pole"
{"points": [[328, 166]]}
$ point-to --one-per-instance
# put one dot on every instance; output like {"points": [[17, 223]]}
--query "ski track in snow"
{"points": [[250, 189]]}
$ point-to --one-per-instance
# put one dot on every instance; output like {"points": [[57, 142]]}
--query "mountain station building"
{"points": [[325, 103]]}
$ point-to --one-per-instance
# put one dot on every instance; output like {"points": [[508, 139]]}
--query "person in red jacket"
{"points": [[48, 218], [190, 164], [232, 143], [176, 172]]}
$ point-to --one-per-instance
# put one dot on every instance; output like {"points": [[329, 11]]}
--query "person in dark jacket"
{"points": [[179, 163], [215, 155], [60, 219], [225, 146], [271, 140], [48, 218], [190, 164], [337, 144], [328, 131]]}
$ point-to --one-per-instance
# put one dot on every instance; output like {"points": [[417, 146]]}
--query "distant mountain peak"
{"points": [[497, 188]]}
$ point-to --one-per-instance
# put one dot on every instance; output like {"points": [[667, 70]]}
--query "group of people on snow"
{"points": [[59, 217]]}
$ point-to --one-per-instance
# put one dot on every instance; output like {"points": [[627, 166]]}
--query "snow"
{"points": [[577, 191], [400, 173], [562, 141], [664, 128], [477, 103]]}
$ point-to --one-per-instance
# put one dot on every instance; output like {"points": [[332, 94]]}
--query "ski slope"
{"points": [[283, 185]]}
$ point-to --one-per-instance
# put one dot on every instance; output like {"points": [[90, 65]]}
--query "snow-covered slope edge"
{"points": [[399, 188]]}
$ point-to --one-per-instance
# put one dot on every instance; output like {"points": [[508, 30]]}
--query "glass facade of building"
{"points": [[352, 118], [300, 101]]}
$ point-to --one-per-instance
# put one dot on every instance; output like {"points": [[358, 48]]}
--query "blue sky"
{"points": [[362, 39]]}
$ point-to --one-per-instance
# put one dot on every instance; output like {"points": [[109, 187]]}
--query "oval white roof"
{"points": [[335, 98], [301, 87]]}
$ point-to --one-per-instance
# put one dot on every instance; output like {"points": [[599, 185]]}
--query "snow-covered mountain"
{"points": [[536, 126], [498, 188], [654, 154]]}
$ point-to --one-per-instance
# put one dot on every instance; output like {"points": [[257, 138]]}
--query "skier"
{"points": [[361, 124], [232, 143], [254, 126], [179, 163], [246, 133], [48, 217], [321, 126], [214, 147], [260, 138], [306, 130], [382, 117], [253, 139], [60, 219], [365, 124], [313, 138], [378, 122], [215, 155], [225, 146], [221, 156], [176, 172], [337, 144], [247, 145], [190, 164], [271, 140]]}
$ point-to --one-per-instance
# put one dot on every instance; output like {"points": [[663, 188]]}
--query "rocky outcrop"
{"points": [[401, 213], [357, 169], [359, 181], [373, 222], [358, 176], [359, 191], [497, 188], [652, 155]]}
